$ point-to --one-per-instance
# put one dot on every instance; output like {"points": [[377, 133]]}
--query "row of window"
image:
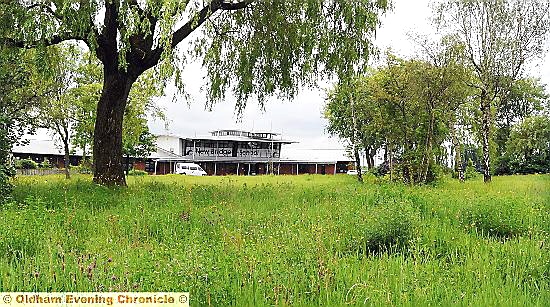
{"points": [[225, 144], [243, 133], [230, 132]]}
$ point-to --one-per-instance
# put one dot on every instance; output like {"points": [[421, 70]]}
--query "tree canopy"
{"points": [[528, 148], [407, 108], [21, 91], [251, 48], [500, 37]]}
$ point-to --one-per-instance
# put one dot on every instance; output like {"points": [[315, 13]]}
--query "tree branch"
{"points": [[46, 8], [196, 21], [107, 50], [54, 40], [234, 5]]}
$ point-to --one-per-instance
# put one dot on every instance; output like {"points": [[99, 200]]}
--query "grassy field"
{"points": [[296, 240]]}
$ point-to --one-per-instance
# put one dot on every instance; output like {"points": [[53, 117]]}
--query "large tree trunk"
{"points": [[485, 134], [107, 154]]}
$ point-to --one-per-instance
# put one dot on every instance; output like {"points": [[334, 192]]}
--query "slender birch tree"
{"points": [[500, 37]]}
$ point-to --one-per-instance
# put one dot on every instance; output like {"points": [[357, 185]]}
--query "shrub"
{"points": [[137, 172], [471, 171], [84, 167], [26, 164], [435, 173], [45, 164], [380, 170], [6, 172], [528, 149]]}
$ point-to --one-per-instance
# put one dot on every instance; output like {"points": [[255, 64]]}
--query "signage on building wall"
{"points": [[228, 152], [257, 153], [210, 152]]}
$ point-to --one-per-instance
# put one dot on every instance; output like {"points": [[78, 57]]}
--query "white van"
{"points": [[190, 169]]}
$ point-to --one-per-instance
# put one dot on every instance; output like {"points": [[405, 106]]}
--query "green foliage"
{"points": [[26, 164], [526, 98], [499, 220], [386, 228], [45, 164], [21, 92], [471, 172], [251, 50], [6, 172], [406, 107], [137, 172], [137, 141], [86, 94], [6, 169], [272, 38], [499, 39], [274, 240], [58, 112], [85, 167], [528, 148]]}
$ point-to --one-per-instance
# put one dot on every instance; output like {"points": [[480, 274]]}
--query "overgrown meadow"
{"points": [[296, 240]]}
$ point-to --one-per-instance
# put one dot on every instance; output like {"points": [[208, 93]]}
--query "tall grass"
{"points": [[299, 240]]}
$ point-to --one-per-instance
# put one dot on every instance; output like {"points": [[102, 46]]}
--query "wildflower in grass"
{"points": [[90, 271], [184, 216]]}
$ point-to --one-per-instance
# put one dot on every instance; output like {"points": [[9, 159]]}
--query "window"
{"points": [[193, 168], [150, 166], [185, 167]]}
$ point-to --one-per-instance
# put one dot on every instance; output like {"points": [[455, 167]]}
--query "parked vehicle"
{"points": [[190, 169], [353, 172]]}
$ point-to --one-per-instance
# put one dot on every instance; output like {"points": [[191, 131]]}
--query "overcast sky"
{"points": [[300, 119]]}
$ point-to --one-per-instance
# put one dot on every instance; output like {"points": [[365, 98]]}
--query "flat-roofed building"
{"points": [[222, 152], [239, 152]]}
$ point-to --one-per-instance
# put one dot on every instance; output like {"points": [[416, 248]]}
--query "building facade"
{"points": [[223, 152], [237, 152]]}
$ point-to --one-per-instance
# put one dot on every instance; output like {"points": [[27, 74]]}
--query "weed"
{"points": [[495, 219], [282, 240]]}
